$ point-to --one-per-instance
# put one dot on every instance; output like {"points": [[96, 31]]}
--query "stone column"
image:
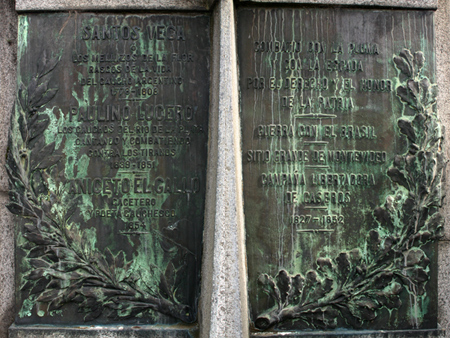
{"points": [[8, 50], [224, 299]]}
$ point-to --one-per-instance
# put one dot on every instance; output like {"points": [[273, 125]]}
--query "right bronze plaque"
{"points": [[342, 167]]}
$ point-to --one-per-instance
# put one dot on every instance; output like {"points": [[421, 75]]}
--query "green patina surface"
{"points": [[347, 243], [110, 196]]}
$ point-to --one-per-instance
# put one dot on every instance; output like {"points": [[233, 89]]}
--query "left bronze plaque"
{"points": [[107, 165]]}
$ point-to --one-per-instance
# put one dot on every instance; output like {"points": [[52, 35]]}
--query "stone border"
{"points": [[63, 5], [430, 333], [105, 5], [223, 308], [423, 4], [34, 331]]}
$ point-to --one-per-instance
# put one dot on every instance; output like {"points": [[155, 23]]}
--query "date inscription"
{"points": [[319, 111]]}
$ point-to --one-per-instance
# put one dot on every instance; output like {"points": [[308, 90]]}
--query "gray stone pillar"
{"points": [[224, 299], [8, 50]]}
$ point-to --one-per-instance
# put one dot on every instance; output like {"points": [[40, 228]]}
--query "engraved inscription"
{"points": [[321, 130], [119, 200]]}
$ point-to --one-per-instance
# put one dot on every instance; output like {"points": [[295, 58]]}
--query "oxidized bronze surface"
{"points": [[107, 165], [342, 166]]}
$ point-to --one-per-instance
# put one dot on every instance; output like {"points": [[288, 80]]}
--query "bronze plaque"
{"points": [[107, 165], [342, 167]]}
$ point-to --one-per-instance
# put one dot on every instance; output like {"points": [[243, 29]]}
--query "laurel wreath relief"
{"points": [[64, 264], [66, 267], [358, 283]]}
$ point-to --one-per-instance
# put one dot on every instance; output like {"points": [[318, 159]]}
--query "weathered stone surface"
{"points": [[443, 79], [59, 5], [32, 5], [224, 299], [443, 103], [6, 267], [8, 48], [437, 333], [430, 4], [102, 332], [444, 285]]}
